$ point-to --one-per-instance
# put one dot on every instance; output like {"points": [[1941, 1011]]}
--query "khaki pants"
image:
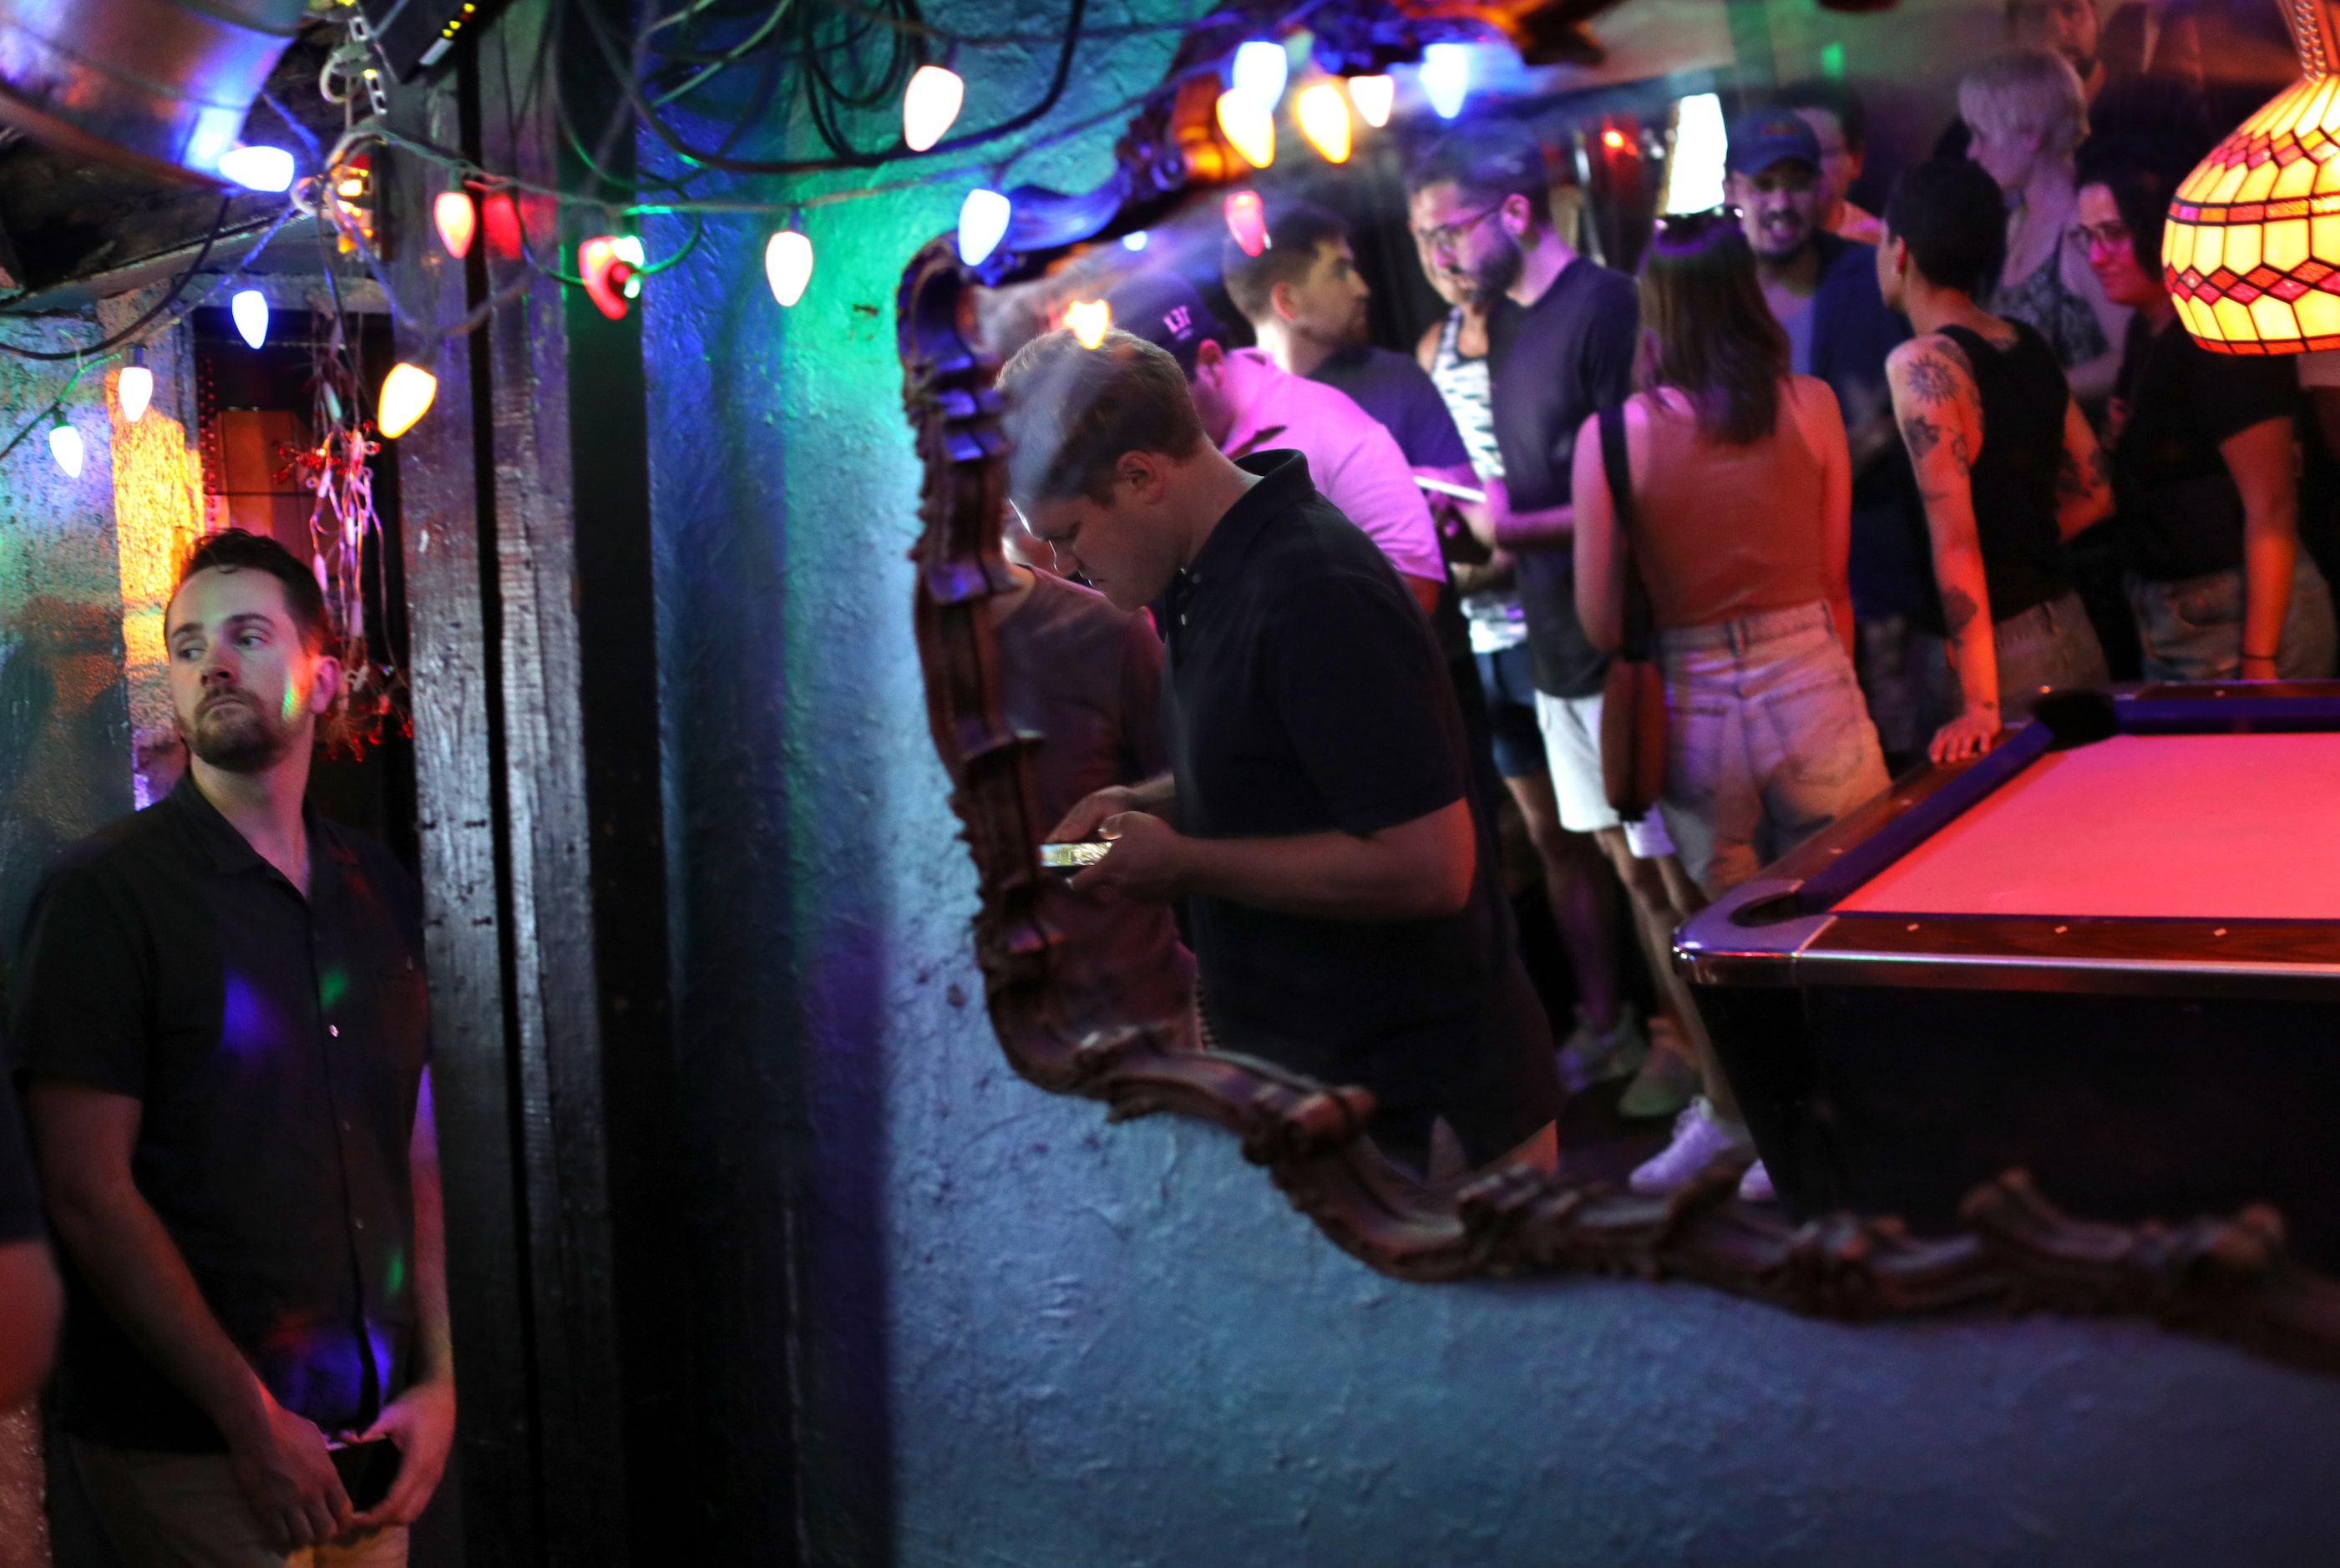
{"points": [[185, 1511]]}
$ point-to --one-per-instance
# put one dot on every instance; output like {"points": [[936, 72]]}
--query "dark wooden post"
{"points": [[529, 582]]}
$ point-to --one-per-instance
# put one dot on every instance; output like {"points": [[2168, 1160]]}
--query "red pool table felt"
{"points": [[2218, 826]]}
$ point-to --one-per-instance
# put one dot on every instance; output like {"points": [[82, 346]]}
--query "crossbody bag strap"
{"points": [[1617, 467]]}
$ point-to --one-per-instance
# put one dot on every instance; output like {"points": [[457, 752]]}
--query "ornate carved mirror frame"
{"points": [[2226, 1278]]}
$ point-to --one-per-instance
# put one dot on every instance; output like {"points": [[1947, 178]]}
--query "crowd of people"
{"points": [[1883, 478]]}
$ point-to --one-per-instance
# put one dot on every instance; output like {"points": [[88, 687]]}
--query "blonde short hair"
{"points": [[2027, 92]]}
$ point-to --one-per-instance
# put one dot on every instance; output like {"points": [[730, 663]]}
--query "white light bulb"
{"points": [[929, 105], [258, 167], [787, 265], [982, 224], [1136, 239], [1259, 73], [406, 394], [1090, 320], [1324, 117], [1375, 97], [628, 248], [250, 308], [65, 445], [136, 389], [1446, 77], [457, 220], [1248, 128]]}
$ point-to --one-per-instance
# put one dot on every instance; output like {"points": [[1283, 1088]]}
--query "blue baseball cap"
{"points": [[1164, 308], [1763, 137]]}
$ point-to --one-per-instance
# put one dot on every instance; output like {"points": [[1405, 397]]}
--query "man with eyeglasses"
{"points": [[1823, 289], [1562, 336]]}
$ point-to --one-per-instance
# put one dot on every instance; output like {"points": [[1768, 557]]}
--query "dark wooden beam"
{"points": [[455, 668], [537, 728]]}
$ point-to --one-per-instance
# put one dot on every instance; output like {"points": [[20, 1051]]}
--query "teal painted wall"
{"points": [[1030, 1338]]}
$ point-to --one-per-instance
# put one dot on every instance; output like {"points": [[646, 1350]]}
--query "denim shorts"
{"points": [[1511, 712], [2192, 628], [1768, 741], [2045, 648]]}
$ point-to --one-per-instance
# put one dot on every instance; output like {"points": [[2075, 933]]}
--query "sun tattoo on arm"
{"points": [[1931, 379]]}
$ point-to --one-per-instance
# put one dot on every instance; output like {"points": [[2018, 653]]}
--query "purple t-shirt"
{"points": [[1087, 678]]}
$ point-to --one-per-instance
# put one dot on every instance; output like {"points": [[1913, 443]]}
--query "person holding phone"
{"points": [[1317, 816], [222, 1024]]}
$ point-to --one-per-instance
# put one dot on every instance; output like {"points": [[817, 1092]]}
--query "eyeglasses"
{"points": [[1446, 237], [2113, 235]]}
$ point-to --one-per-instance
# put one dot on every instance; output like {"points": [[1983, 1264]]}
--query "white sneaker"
{"points": [[1594, 1056], [1755, 1187], [1700, 1137]]}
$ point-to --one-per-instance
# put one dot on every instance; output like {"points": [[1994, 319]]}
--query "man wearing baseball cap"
{"points": [[1823, 289], [1248, 404]]}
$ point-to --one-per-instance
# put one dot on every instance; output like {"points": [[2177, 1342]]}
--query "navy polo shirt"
{"points": [[277, 1044], [1306, 693]]}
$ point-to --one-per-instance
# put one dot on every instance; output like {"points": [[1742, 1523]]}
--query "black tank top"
{"points": [[2014, 481]]}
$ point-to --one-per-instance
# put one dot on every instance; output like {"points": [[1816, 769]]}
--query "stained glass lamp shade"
{"points": [[2251, 252]]}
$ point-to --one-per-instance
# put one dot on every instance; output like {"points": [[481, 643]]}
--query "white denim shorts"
{"points": [[1572, 744]]}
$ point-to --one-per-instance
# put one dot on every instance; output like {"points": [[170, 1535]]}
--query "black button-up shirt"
{"points": [[277, 1043], [1308, 694]]}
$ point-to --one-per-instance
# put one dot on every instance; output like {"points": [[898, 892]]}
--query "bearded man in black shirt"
{"points": [[223, 1020], [1348, 921], [1562, 331]]}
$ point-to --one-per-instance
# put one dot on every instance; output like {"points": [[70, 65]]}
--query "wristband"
{"points": [[2263, 658]]}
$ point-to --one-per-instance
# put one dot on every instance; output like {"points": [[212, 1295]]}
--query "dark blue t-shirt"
{"points": [[1853, 332], [1400, 394]]}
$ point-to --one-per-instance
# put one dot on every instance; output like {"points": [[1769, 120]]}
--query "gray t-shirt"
{"points": [[1088, 679]]}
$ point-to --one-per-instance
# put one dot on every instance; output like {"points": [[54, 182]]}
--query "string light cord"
{"points": [[87, 357], [656, 124], [43, 418], [994, 169], [178, 286]]}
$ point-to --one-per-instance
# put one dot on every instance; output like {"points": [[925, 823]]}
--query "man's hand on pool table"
{"points": [[1971, 734], [1147, 861]]}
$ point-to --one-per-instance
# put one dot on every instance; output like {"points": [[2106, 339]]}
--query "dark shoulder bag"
{"points": [[1633, 693]]}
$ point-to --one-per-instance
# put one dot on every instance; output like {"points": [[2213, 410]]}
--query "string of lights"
{"points": [[830, 63], [98, 355]]}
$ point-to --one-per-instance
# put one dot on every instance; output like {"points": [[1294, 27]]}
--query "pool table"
{"points": [[2107, 951]]}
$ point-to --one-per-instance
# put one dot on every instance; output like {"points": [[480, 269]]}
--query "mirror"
{"points": [[1622, 141]]}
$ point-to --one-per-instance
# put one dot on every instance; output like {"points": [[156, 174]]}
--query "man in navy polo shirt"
{"points": [[1347, 920]]}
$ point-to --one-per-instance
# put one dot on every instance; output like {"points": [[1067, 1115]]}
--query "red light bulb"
{"points": [[1247, 220], [500, 221], [605, 274]]}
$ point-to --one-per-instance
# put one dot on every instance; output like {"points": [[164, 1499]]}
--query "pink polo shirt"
{"points": [[1353, 459]]}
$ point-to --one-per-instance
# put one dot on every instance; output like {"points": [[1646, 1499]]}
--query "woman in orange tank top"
{"points": [[1742, 528]]}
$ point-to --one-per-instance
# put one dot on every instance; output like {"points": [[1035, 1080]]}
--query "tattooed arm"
{"points": [[2084, 481], [1941, 414]]}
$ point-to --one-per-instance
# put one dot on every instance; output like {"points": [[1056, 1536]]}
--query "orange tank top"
{"points": [[1723, 531]]}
